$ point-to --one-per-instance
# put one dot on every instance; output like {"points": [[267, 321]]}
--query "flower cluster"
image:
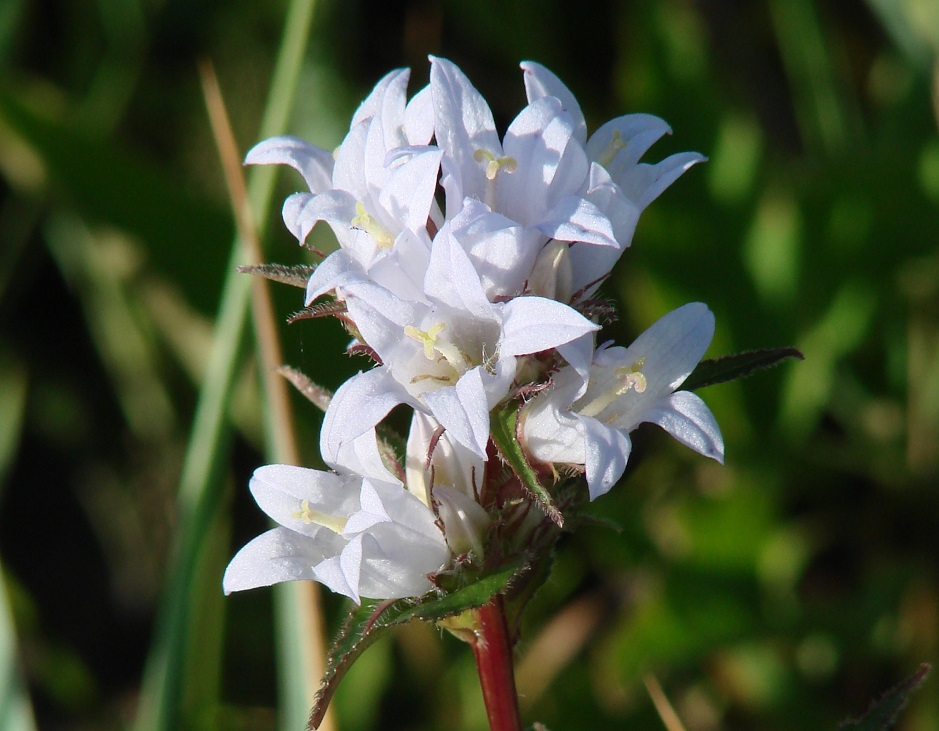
{"points": [[466, 269]]}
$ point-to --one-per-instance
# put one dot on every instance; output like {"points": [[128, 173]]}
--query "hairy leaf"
{"points": [[732, 367], [884, 712], [315, 394], [296, 276], [503, 424]]}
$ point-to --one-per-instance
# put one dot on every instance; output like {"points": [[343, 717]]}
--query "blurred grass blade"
{"points": [[200, 483], [109, 186], [300, 627], [818, 101], [13, 382], [15, 711]]}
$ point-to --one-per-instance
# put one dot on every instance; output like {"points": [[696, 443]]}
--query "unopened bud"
{"points": [[464, 520], [552, 276]]}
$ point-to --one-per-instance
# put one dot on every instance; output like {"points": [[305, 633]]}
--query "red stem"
{"points": [[493, 651]]}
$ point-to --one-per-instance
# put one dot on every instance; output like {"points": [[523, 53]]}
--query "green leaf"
{"points": [[504, 424], [732, 367], [884, 712], [369, 621]]}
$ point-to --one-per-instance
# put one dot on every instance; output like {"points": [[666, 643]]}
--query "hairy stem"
{"points": [[493, 650]]}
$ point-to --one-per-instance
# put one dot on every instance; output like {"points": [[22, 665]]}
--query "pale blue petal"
{"points": [[280, 490], [687, 418], [619, 143], [453, 280], [533, 324], [409, 192], [644, 183], [419, 118], [463, 124], [385, 99], [358, 405], [671, 348], [574, 218], [312, 162], [463, 410], [275, 556], [540, 82], [607, 451]]}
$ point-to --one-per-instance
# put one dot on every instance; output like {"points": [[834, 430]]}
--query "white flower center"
{"points": [[625, 379], [494, 165], [447, 359]]}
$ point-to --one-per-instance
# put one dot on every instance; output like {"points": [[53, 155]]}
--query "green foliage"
{"points": [[740, 365], [784, 589]]}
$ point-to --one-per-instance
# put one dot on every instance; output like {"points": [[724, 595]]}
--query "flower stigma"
{"points": [[310, 517], [367, 223], [625, 378], [612, 149]]}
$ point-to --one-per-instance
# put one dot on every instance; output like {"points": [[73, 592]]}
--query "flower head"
{"points": [[358, 536], [588, 423]]}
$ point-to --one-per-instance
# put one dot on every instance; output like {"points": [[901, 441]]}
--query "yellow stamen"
{"points": [[495, 164], [427, 337], [366, 223], [625, 379]]}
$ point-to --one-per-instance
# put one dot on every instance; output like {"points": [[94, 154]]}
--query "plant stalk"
{"points": [[493, 650]]}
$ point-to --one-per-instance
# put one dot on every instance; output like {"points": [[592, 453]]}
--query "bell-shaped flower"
{"points": [[619, 185], [536, 175], [589, 423], [359, 536], [452, 356]]}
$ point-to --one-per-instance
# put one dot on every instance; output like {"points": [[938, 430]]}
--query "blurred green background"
{"points": [[784, 590]]}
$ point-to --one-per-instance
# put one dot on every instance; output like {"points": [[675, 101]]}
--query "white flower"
{"points": [[619, 185], [589, 424], [452, 357], [358, 536], [536, 175]]}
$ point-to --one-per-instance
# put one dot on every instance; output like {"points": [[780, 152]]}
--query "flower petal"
{"points": [[463, 410], [533, 324], [463, 124], [275, 556], [687, 418], [358, 405], [313, 163], [540, 82], [607, 452]]}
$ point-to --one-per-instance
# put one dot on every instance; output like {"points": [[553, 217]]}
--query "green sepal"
{"points": [[370, 620], [885, 711], [504, 424], [732, 367], [296, 276]]}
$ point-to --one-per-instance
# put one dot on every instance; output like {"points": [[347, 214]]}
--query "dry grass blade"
{"points": [[280, 418]]}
